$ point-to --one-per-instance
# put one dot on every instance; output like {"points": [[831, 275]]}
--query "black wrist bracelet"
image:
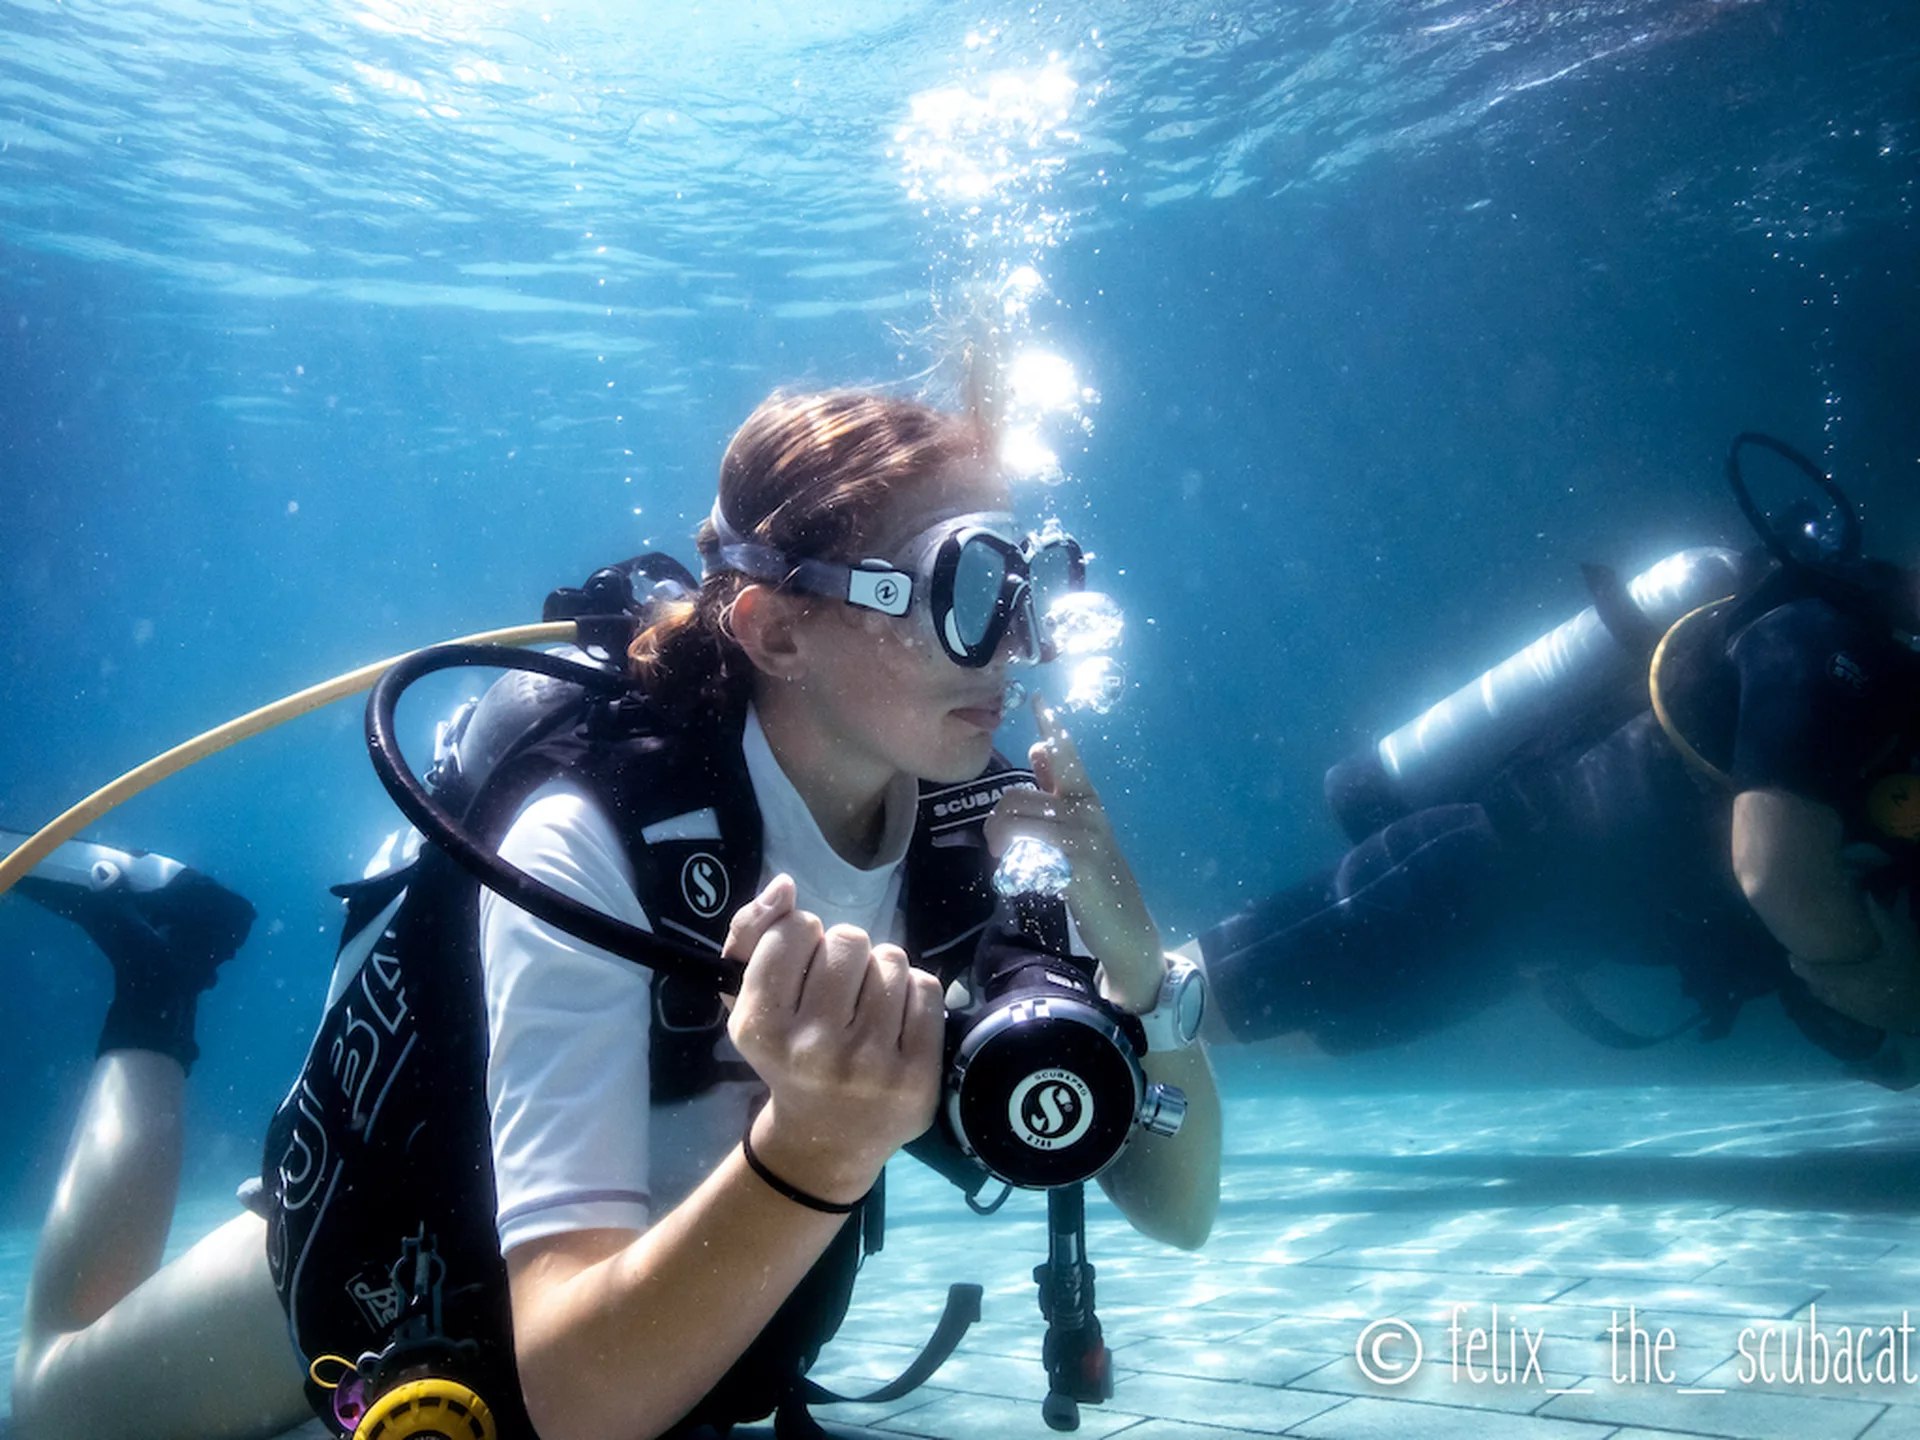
{"points": [[792, 1192]]}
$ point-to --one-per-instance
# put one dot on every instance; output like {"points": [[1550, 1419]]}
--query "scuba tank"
{"points": [[613, 603], [1450, 749]]}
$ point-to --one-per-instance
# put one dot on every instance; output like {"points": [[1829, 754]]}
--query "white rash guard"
{"points": [[577, 1144]]}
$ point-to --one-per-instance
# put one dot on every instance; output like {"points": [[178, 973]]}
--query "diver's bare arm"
{"points": [[1169, 1188], [1787, 856], [618, 1336]]}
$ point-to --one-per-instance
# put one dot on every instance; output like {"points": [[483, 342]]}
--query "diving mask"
{"points": [[975, 582]]}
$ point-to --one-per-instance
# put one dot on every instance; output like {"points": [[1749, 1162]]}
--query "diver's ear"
{"points": [[765, 623]]}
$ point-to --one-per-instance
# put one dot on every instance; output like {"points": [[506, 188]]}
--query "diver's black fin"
{"points": [[165, 928]]}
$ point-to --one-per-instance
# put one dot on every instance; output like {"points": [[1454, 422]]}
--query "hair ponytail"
{"points": [[687, 659]]}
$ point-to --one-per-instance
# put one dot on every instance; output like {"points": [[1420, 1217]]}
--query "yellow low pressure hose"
{"points": [[242, 727]]}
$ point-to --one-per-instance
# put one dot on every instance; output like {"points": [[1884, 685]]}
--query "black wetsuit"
{"points": [[1620, 847]]}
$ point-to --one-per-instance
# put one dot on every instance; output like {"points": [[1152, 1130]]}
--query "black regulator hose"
{"points": [[1770, 536], [543, 902]]}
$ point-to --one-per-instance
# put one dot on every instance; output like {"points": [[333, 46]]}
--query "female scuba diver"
{"points": [[614, 1209]]}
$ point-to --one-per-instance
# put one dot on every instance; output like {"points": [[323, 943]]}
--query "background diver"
{"points": [[628, 1264], [1715, 767]]}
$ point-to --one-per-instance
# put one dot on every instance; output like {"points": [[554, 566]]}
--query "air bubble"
{"points": [[1085, 622], [1031, 867], [1097, 685]]}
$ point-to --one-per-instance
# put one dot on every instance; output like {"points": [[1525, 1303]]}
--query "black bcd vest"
{"points": [[385, 1134]]}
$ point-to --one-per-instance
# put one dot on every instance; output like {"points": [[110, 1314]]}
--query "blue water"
{"points": [[329, 330]]}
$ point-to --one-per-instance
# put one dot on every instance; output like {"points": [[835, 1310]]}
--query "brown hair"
{"points": [[807, 474]]}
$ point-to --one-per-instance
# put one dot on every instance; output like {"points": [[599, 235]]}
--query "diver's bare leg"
{"points": [[113, 1345], [114, 1204]]}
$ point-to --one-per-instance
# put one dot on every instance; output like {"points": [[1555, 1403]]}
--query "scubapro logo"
{"points": [[1050, 1109], [703, 885], [972, 800], [886, 592], [381, 1304]]}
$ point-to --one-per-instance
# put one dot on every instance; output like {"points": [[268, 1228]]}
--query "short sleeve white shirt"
{"points": [[577, 1142]]}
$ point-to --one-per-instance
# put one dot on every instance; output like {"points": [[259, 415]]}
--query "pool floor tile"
{"points": [[1709, 1211]]}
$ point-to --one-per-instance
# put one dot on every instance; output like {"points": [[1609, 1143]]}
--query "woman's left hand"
{"points": [[1065, 811]]}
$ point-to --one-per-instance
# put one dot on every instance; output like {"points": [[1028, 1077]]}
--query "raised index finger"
{"points": [[1056, 759]]}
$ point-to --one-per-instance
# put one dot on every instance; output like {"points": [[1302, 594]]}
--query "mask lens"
{"points": [[979, 579], [1056, 571]]}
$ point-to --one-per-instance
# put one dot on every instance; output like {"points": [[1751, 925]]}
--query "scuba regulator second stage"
{"points": [[1044, 1085]]}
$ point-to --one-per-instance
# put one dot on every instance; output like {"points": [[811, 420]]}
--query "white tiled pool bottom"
{"points": [[1568, 1265]]}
